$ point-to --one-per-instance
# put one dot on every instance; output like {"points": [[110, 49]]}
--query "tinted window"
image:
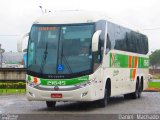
{"points": [[127, 40], [137, 43], [101, 25]]}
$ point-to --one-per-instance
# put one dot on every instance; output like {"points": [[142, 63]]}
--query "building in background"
{"points": [[12, 60]]}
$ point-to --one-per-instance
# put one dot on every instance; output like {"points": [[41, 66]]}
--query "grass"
{"points": [[154, 84], [11, 91]]}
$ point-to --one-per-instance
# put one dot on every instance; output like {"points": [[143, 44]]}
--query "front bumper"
{"points": [[82, 94]]}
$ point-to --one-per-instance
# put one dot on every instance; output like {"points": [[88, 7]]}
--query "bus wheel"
{"points": [[137, 93], [140, 89], [128, 96], [103, 102], [51, 104]]}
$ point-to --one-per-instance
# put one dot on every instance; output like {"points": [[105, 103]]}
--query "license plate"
{"points": [[56, 95]]}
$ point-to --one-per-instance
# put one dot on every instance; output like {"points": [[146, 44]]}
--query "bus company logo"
{"points": [[56, 88], [55, 76], [114, 60]]}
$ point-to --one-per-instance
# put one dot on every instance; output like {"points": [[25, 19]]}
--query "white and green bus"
{"points": [[83, 56]]}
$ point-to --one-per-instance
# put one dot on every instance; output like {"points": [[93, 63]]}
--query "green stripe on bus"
{"points": [[122, 61], [133, 61], [118, 60], [29, 78], [144, 62], [131, 71], [62, 82]]}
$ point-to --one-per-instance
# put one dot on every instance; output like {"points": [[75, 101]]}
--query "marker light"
{"points": [[34, 82]]}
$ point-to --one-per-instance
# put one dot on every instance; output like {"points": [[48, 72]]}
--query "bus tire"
{"points": [[127, 96], [103, 102], [137, 92], [140, 89], [51, 104]]}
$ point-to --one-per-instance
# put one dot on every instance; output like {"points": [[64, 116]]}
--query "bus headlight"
{"points": [[33, 82]]}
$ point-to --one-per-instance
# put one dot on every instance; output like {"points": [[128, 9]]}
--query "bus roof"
{"points": [[70, 17], [78, 16]]}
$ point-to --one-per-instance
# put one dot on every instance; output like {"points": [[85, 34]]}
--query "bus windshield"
{"points": [[60, 49]]}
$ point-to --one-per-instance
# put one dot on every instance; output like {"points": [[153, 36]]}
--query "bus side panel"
{"points": [[123, 76], [126, 60]]}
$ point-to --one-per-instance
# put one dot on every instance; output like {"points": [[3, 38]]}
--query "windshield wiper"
{"points": [[44, 58], [65, 60]]}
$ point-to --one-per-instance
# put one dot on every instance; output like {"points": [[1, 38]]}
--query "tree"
{"points": [[1, 52], [154, 59]]}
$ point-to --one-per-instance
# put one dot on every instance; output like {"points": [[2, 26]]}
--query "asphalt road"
{"points": [[149, 103]]}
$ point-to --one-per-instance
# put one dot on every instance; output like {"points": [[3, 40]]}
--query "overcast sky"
{"points": [[17, 16]]}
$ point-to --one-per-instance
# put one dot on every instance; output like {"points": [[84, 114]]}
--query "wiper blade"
{"points": [[65, 60], [44, 58]]}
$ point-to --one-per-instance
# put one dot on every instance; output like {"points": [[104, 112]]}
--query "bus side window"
{"points": [[108, 44], [98, 55]]}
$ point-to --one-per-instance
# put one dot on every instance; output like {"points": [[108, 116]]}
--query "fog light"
{"points": [[31, 94], [84, 94]]}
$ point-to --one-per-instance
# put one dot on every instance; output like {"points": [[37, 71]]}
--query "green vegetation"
{"points": [[154, 59], [12, 87], [12, 91], [154, 84]]}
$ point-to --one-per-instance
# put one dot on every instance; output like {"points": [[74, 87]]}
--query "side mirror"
{"points": [[20, 41], [95, 40]]}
